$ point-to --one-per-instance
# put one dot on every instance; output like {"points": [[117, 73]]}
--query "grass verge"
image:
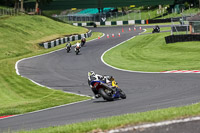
{"points": [[19, 38], [123, 120], [150, 53]]}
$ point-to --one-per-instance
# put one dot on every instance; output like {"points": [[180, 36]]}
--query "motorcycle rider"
{"points": [[156, 29], [68, 45], [83, 41], [94, 76], [78, 46]]}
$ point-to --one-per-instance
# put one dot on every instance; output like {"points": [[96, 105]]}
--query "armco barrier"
{"points": [[56, 42], [181, 38]]}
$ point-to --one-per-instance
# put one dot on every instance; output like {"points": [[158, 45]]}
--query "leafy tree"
{"points": [[16, 6], [22, 5], [195, 3], [38, 2]]}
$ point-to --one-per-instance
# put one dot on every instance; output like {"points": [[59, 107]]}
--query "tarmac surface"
{"points": [[68, 72]]}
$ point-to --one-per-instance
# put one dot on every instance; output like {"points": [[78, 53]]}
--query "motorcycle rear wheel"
{"points": [[77, 52], [105, 96]]}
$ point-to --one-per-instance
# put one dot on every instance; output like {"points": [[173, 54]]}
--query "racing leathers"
{"points": [[78, 46], [105, 79]]}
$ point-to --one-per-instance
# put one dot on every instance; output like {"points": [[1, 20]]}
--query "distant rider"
{"points": [[78, 46], [83, 41], [68, 44]]}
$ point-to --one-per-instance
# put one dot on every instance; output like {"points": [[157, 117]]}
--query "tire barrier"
{"points": [[109, 23], [181, 38], [152, 21], [166, 20], [53, 43]]}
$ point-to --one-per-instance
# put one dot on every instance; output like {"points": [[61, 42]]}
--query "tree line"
{"points": [[19, 4]]}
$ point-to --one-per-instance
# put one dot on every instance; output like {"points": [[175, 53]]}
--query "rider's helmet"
{"points": [[111, 78], [68, 43], [92, 73], [78, 45], [83, 38]]}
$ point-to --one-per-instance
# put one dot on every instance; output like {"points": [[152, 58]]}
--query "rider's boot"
{"points": [[96, 94]]}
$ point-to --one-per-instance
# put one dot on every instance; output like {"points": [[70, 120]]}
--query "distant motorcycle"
{"points": [[77, 50], [156, 29], [108, 92], [83, 41], [68, 48]]}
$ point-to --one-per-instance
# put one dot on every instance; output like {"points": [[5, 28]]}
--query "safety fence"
{"points": [[9, 11], [16, 12], [99, 17], [56, 42], [182, 27]]}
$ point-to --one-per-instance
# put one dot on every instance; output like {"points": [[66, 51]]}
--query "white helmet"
{"points": [[92, 73]]}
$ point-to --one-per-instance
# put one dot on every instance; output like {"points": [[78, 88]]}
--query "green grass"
{"points": [[19, 38], [185, 12], [150, 53], [151, 14], [145, 14], [123, 120]]}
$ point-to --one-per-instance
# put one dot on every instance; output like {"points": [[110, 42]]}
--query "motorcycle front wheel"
{"points": [[122, 94]]}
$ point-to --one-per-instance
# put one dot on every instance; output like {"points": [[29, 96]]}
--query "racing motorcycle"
{"points": [[83, 40], [77, 50], [108, 92], [68, 48], [156, 29]]}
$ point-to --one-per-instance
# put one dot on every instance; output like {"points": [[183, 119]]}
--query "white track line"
{"points": [[17, 71], [142, 32], [119, 68], [64, 105], [131, 70], [164, 123]]}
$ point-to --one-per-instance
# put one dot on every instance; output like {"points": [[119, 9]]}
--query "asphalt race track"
{"points": [[68, 72]]}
